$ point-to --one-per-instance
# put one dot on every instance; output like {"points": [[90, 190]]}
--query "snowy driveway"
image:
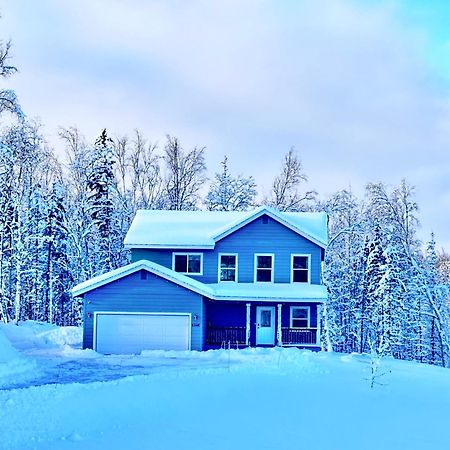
{"points": [[77, 366]]}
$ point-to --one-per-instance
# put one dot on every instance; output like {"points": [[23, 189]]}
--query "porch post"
{"points": [[279, 335], [247, 326], [319, 316]]}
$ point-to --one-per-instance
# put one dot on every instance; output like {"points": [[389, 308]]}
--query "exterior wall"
{"points": [[233, 314], [152, 294], [255, 237]]}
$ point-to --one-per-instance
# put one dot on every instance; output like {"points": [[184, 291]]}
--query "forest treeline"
{"points": [[63, 219]]}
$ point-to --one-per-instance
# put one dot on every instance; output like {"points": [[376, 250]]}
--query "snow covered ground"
{"points": [[247, 399]]}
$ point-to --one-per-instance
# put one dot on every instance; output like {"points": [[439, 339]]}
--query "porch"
{"points": [[254, 324], [237, 337]]}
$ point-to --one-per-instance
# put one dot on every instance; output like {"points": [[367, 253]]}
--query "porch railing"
{"points": [[220, 335], [299, 336]]}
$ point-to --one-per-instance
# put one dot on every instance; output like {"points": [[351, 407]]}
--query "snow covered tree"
{"points": [[185, 175], [228, 193], [8, 98], [101, 188]]}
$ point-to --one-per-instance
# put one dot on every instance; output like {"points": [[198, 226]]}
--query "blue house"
{"points": [[210, 279]]}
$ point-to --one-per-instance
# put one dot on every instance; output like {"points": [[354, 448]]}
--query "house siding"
{"points": [[255, 237], [151, 294]]}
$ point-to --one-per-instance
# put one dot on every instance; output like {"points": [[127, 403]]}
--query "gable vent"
{"points": [[143, 274], [265, 220]]}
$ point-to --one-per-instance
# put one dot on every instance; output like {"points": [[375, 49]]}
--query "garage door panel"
{"points": [[132, 333]]}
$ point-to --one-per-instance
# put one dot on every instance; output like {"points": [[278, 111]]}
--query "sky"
{"points": [[361, 88]]}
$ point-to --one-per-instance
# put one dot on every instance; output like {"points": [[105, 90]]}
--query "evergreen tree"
{"points": [[101, 188]]}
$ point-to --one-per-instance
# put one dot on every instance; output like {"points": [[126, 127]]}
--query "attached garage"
{"points": [[142, 306], [131, 333]]}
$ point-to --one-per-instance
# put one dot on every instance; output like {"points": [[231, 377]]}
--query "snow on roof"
{"points": [[202, 229], [152, 267], [219, 291], [269, 291]]}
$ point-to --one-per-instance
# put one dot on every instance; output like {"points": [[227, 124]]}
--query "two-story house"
{"points": [[209, 279]]}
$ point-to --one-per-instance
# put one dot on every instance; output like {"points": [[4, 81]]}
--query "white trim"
{"points": [[174, 254], [138, 313], [255, 268], [247, 324], [236, 267], [273, 214], [306, 255], [308, 308], [319, 330], [279, 334]]}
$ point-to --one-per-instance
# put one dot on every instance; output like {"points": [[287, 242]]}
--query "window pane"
{"points": [[181, 263], [265, 318], [300, 276], [264, 262], [194, 263], [228, 261], [264, 275], [228, 275], [300, 262], [299, 323], [300, 313]]}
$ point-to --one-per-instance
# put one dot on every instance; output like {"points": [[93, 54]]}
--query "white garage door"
{"points": [[131, 333]]}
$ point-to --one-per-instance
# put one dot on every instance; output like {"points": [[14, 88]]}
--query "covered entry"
{"points": [[128, 333]]}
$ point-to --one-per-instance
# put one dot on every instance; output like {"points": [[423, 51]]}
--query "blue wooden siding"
{"points": [[150, 293], [225, 314], [255, 237]]}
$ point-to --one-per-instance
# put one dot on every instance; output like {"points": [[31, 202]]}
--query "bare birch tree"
{"points": [[185, 175], [286, 195]]}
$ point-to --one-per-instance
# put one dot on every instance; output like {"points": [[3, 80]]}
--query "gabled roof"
{"points": [[202, 229], [219, 291], [143, 264]]}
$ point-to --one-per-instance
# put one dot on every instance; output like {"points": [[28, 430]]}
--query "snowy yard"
{"points": [[55, 396]]}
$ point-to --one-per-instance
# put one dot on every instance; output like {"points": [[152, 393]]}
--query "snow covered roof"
{"points": [[202, 229], [152, 267], [269, 291], [218, 291]]}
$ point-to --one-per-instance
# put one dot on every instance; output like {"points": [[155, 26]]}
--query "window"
{"points": [[228, 267], [190, 263], [299, 316], [300, 269], [264, 268]]}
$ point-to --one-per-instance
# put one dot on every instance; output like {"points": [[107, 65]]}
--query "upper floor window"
{"points": [[228, 267], [300, 271], [189, 263], [300, 316], [264, 268]]}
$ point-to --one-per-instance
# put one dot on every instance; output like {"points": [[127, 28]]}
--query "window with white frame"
{"points": [[264, 268], [189, 263], [300, 316], [228, 267], [300, 269]]}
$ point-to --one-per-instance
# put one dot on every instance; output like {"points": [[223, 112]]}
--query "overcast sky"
{"points": [[360, 88]]}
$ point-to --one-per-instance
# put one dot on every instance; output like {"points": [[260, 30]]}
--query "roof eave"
{"points": [[171, 246]]}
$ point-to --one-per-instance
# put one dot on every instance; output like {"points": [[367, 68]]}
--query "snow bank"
{"points": [[32, 334], [12, 364], [19, 342]]}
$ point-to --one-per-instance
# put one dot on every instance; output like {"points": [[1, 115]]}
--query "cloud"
{"points": [[346, 83]]}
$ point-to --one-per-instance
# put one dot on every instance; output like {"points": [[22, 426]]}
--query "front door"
{"points": [[265, 325]]}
